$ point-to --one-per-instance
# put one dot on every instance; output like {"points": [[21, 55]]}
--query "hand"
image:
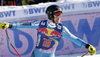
{"points": [[92, 50], [4, 25]]}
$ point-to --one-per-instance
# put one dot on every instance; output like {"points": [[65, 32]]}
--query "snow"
{"points": [[80, 54]]}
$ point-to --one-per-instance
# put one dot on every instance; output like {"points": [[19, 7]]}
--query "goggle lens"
{"points": [[58, 13]]}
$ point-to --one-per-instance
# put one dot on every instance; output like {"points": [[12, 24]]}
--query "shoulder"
{"points": [[43, 20], [61, 24], [65, 28], [36, 22]]}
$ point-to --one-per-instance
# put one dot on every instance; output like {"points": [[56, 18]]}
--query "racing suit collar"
{"points": [[51, 24]]}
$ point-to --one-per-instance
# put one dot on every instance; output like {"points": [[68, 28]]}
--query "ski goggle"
{"points": [[57, 13]]}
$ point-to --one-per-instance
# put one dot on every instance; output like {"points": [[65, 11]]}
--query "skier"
{"points": [[49, 32]]}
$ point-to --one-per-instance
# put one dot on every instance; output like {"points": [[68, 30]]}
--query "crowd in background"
{"points": [[23, 2]]}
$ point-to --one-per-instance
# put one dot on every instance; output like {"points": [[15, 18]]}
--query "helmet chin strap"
{"points": [[54, 22]]}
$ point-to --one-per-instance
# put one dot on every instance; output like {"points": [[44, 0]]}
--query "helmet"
{"points": [[50, 11]]}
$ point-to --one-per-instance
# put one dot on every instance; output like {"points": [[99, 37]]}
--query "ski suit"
{"points": [[48, 35]]}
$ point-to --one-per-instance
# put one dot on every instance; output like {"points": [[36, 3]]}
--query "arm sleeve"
{"points": [[32, 25], [73, 38]]}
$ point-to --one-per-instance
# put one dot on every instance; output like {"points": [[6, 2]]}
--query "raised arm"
{"points": [[78, 41], [71, 37], [32, 25]]}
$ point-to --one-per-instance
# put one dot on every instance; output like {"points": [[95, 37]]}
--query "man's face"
{"points": [[57, 16]]}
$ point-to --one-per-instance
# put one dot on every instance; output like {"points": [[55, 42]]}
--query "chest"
{"points": [[48, 30]]}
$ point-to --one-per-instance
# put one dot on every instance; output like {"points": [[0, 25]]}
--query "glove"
{"points": [[4, 25], [92, 50]]}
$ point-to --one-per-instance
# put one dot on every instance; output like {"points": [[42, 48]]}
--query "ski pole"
{"points": [[85, 54], [11, 44]]}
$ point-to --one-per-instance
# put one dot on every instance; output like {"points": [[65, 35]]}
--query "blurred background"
{"points": [[31, 2]]}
